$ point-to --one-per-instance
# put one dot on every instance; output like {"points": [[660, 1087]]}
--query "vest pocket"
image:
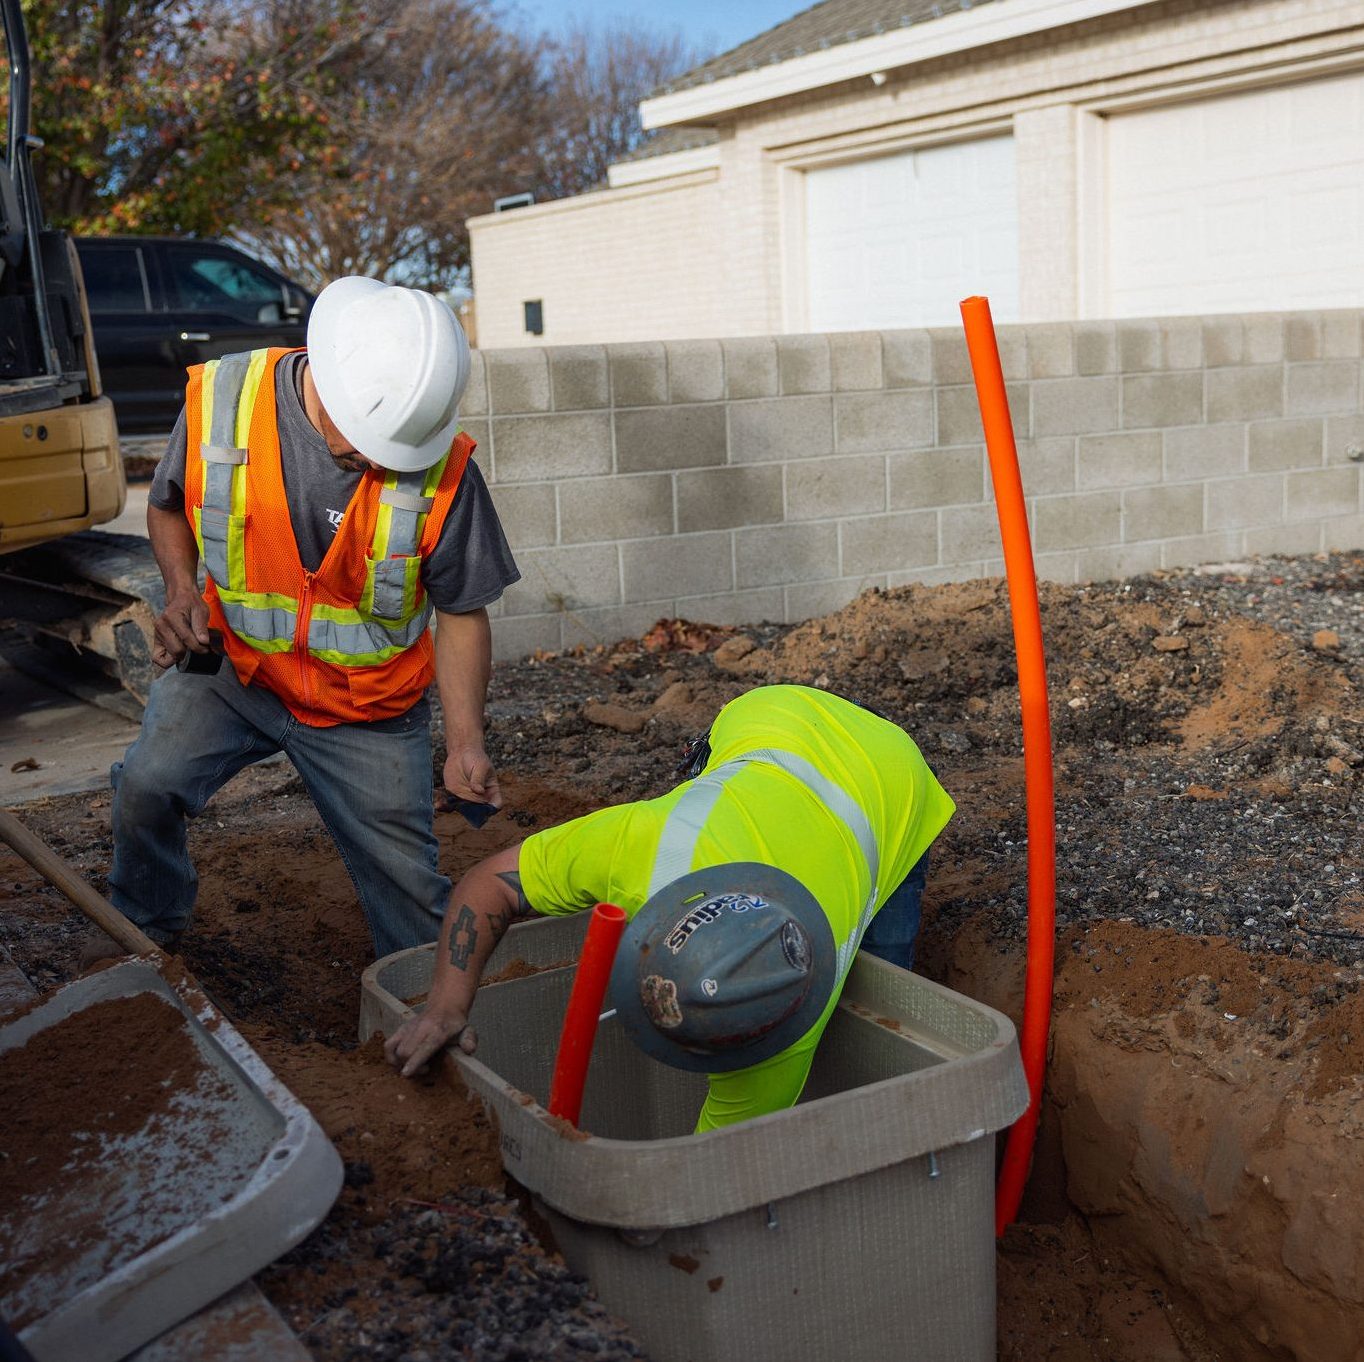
{"points": [[219, 535], [392, 587], [393, 687]]}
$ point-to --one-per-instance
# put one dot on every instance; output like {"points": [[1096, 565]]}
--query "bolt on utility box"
{"points": [[857, 1225]]}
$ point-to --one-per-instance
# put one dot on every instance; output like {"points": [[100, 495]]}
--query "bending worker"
{"points": [[802, 834], [330, 495]]}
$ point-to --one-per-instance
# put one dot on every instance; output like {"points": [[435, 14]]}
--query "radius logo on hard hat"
{"points": [[390, 365], [724, 967]]}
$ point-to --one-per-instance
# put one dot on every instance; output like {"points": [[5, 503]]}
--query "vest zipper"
{"points": [[305, 612]]}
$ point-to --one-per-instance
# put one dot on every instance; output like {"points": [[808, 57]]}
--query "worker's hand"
{"points": [[180, 628], [418, 1039], [470, 775]]}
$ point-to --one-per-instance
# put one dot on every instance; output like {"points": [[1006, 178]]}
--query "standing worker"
{"points": [[330, 495], [802, 834]]}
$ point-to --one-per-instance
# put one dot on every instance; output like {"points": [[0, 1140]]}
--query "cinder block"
{"points": [[1051, 350], [1323, 389], [1140, 347], [1162, 400], [1245, 394], [578, 377], [847, 484], [809, 600], [480, 432], [1205, 451], [518, 381], [1051, 567], [1223, 342], [696, 371], [883, 420], [592, 510], [680, 565], [575, 578], [1322, 492], [1074, 406], [1341, 334], [725, 498], [516, 638], [528, 513], [1086, 520], [951, 360], [659, 438], [855, 360], [803, 364], [765, 603], [959, 413], [475, 399], [1286, 539], [1263, 338], [606, 625], [1343, 534], [936, 477], [1120, 460], [1276, 445], [969, 533], [1182, 342], [1170, 512], [1223, 546], [937, 576], [1344, 439], [1235, 503], [567, 445], [1047, 466], [639, 374], [750, 367], [907, 357], [1116, 562], [1302, 337], [782, 428], [781, 554], [1096, 348], [886, 543]]}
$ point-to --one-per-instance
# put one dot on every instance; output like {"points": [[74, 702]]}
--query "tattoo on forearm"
{"points": [[463, 937], [513, 879]]}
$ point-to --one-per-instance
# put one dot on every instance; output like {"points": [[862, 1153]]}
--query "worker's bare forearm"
{"points": [[483, 905], [173, 544], [463, 666]]}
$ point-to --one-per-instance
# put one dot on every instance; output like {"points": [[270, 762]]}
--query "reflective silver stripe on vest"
{"points": [[229, 378], [687, 819], [329, 636], [218, 454], [256, 622], [405, 501]]}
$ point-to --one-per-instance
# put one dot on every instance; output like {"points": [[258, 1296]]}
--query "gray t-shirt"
{"points": [[471, 564]]}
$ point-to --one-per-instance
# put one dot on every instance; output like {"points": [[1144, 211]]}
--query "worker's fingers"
{"points": [[468, 1040], [492, 789]]}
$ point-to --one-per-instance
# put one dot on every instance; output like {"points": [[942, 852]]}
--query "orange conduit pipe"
{"points": [[584, 1011], [1037, 754]]}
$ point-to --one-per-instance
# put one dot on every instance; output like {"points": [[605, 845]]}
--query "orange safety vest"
{"points": [[350, 642]]}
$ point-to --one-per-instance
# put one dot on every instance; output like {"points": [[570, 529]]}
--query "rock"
{"points": [[677, 696], [1326, 641], [976, 706], [732, 652], [1337, 767], [613, 716], [1194, 618], [1169, 643]]}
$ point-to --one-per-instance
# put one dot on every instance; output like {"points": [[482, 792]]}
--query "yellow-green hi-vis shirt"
{"points": [[797, 779]]}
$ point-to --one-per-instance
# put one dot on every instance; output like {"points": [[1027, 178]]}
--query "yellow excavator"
{"points": [[60, 467]]}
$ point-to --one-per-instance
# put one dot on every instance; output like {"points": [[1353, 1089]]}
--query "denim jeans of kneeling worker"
{"points": [[370, 782], [890, 934]]}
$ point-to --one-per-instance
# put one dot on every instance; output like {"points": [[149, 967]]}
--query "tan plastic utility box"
{"points": [[857, 1226]]}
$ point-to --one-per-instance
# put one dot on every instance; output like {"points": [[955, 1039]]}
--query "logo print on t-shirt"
{"points": [[335, 518]]}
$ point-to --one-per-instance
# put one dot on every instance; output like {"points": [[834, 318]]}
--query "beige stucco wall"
{"points": [[1051, 90], [634, 264]]}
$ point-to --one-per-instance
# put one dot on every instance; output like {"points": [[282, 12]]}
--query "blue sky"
{"points": [[715, 25]]}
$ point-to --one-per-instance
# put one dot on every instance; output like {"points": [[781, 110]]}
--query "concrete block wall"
{"points": [[776, 477]]}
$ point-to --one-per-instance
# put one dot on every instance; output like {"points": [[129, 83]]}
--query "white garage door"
{"points": [[1247, 202], [901, 240]]}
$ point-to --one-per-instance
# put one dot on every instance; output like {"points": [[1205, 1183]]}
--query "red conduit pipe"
{"points": [[1037, 754], [584, 1011]]}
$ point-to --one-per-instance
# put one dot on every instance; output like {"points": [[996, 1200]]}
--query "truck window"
{"points": [[115, 279], [216, 282]]}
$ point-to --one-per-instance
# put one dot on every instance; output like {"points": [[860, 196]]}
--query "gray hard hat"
{"points": [[724, 967]]}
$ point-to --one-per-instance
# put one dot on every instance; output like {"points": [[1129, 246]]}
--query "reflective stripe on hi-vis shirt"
{"points": [[386, 620], [687, 819]]}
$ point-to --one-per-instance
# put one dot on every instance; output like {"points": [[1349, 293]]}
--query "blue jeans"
{"points": [[371, 783], [890, 934]]}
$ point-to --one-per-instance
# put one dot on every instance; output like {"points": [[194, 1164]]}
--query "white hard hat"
{"points": [[390, 365]]}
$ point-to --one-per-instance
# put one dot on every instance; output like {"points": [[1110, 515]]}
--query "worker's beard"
{"points": [[352, 463]]}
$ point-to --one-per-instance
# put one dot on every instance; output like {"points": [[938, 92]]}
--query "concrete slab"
{"points": [[134, 517]]}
